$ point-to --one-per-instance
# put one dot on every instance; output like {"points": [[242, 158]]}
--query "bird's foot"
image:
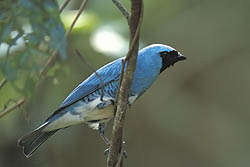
{"points": [[104, 104], [129, 104], [125, 154]]}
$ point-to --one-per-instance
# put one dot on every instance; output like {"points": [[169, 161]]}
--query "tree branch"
{"points": [[3, 82], [131, 59], [82, 7], [124, 11], [65, 3], [12, 107], [54, 54]]}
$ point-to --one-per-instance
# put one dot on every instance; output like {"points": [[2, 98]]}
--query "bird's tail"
{"points": [[33, 140]]}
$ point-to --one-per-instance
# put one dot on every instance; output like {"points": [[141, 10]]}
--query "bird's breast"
{"points": [[91, 112]]}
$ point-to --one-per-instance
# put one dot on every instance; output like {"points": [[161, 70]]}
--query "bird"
{"points": [[85, 105]]}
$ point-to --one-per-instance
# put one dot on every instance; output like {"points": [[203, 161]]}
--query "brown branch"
{"points": [[124, 11], [137, 32], [131, 59], [12, 107], [120, 159], [132, 44], [100, 78], [65, 3], [54, 54], [82, 7], [3, 82]]}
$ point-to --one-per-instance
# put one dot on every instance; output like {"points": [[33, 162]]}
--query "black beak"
{"points": [[181, 57]]}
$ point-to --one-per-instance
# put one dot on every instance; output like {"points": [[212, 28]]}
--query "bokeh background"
{"points": [[197, 113]]}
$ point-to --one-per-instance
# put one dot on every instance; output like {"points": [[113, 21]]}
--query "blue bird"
{"points": [[84, 103]]}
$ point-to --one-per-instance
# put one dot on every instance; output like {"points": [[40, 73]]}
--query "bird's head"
{"points": [[163, 55]]}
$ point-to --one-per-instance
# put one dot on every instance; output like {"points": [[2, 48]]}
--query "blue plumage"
{"points": [[109, 73], [84, 105]]}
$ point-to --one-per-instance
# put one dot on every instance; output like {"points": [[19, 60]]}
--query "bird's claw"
{"points": [[106, 152], [125, 154], [129, 104]]}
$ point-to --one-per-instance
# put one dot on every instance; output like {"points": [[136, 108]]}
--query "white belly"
{"points": [[82, 112]]}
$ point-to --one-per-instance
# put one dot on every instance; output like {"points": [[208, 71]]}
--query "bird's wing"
{"points": [[108, 73]]}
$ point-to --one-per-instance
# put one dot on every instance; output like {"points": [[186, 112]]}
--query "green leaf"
{"points": [[6, 32], [46, 34], [10, 70]]}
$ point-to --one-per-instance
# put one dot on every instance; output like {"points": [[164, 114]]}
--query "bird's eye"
{"points": [[164, 53]]}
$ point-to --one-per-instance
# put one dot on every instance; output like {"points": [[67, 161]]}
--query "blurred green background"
{"points": [[195, 114]]}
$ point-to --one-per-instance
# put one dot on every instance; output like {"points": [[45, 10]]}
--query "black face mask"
{"points": [[170, 58]]}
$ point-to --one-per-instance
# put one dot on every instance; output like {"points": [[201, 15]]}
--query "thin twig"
{"points": [[124, 89], [100, 78], [12, 107], [124, 11], [49, 61], [82, 7], [120, 159], [136, 36], [54, 54], [3, 82], [65, 3], [121, 74], [132, 44], [120, 82]]}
